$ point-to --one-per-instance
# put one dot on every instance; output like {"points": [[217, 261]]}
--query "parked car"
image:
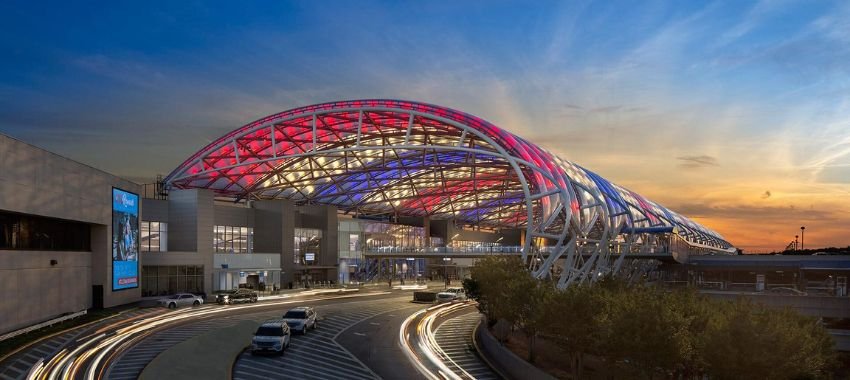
{"points": [[181, 299], [301, 318], [451, 294], [272, 336], [236, 296], [785, 291]]}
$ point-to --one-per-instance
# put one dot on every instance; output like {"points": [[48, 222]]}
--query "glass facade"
{"points": [[465, 244], [164, 280], [36, 233], [230, 239], [154, 236], [308, 245]]}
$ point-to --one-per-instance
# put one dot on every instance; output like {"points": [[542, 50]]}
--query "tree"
{"points": [[574, 319], [747, 340]]}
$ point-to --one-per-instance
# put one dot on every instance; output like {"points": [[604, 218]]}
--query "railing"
{"points": [[433, 251], [496, 249], [42, 325]]}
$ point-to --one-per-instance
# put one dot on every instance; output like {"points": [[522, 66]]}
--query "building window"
{"points": [[231, 239], [154, 236], [36, 233], [164, 280], [308, 244]]}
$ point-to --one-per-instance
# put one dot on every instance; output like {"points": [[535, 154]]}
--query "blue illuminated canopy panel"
{"points": [[415, 159]]}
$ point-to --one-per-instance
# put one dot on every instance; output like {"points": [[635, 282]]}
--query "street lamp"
{"points": [[796, 242], [802, 238]]}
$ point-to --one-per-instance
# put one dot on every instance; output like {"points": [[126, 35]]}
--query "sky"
{"points": [[736, 114]]}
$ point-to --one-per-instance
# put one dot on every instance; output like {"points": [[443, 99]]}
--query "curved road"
{"points": [[89, 351], [358, 338]]}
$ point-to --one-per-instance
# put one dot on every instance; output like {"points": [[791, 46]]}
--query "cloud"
{"points": [[697, 162], [766, 194], [762, 213]]}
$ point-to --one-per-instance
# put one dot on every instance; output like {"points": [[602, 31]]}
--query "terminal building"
{"points": [[336, 193]]}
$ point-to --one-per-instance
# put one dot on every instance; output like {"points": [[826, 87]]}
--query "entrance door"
{"points": [[253, 281]]}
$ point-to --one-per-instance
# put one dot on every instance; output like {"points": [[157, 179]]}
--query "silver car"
{"points": [[272, 336], [181, 299], [301, 318]]}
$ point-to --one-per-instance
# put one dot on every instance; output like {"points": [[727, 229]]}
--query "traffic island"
{"points": [[210, 355]]}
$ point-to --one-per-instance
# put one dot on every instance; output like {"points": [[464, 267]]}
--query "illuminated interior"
{"points": [[379, 157]]}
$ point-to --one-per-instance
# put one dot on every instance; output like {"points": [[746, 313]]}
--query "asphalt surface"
{"points": [[438, 341], [357, 338], [95, 350], [325, 353], [454, 336]]}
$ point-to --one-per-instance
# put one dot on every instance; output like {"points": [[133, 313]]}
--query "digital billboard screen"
{"points": [[125, 240]]}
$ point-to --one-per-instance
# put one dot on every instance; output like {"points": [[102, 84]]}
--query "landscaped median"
{"points": [[501, 359], [206, 356]]}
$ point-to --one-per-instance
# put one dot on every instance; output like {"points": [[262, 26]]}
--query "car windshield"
{"points": [[269, 331], [295, 314]]}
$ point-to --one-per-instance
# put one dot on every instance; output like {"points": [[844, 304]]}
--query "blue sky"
{"points": [[736, 113]]}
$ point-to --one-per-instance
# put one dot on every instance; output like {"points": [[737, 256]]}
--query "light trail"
{"points": [[89, 354], [436, 364]]}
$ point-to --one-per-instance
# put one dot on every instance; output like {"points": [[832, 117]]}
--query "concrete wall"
{"points": [[275, 231], [233, 215], [39, 291], [37, 182], [247, 261], [190, 229], [156, 210]]}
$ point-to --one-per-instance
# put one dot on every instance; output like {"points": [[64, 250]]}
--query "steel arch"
{"points": [[407, 158]]}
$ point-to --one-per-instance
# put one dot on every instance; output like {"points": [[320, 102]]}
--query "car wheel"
{"points": [[315, 324], [304, 330], [172, 305], [254, 299], [196, 303]]}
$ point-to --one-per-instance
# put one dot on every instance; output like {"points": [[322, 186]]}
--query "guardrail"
{"points": [[42, 325]]}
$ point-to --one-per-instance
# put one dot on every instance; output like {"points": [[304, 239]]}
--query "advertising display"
{"points": [[125, 240]]}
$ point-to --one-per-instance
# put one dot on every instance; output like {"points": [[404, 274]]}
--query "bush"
{"points": [[647, 332]]}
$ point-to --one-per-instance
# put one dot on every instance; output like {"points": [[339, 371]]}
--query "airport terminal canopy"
{"points": [[415, 159]]}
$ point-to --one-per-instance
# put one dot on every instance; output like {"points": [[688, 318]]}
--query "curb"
{"points": [[233, 361], [479, 351], [60, 332]]}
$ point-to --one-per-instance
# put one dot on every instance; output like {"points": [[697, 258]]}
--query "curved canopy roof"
{"points": [[415, 159]]}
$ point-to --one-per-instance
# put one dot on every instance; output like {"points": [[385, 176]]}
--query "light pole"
{"points": [[796, 242], [802, 238]]}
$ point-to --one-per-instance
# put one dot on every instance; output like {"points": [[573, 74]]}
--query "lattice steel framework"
{"points": [[415, 159]]}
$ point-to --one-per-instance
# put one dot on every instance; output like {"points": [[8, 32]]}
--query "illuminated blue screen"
{"points": [[125, 240]]}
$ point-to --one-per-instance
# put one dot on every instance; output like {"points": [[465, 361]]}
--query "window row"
{"points": [[154, 236], [165, 280], [37, 233], [230, 239]]}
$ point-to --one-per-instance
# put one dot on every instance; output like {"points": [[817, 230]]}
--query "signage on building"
{"points": [[309, 256]]}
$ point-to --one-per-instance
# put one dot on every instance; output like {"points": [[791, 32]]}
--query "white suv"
{"points": [[272, 336], [451, 294]]}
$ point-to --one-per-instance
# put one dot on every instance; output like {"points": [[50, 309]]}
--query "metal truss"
{"points": [[414, 159]]}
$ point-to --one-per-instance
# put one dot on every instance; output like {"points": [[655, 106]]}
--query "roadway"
{"points": [[438, 340], [357, 338]]}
